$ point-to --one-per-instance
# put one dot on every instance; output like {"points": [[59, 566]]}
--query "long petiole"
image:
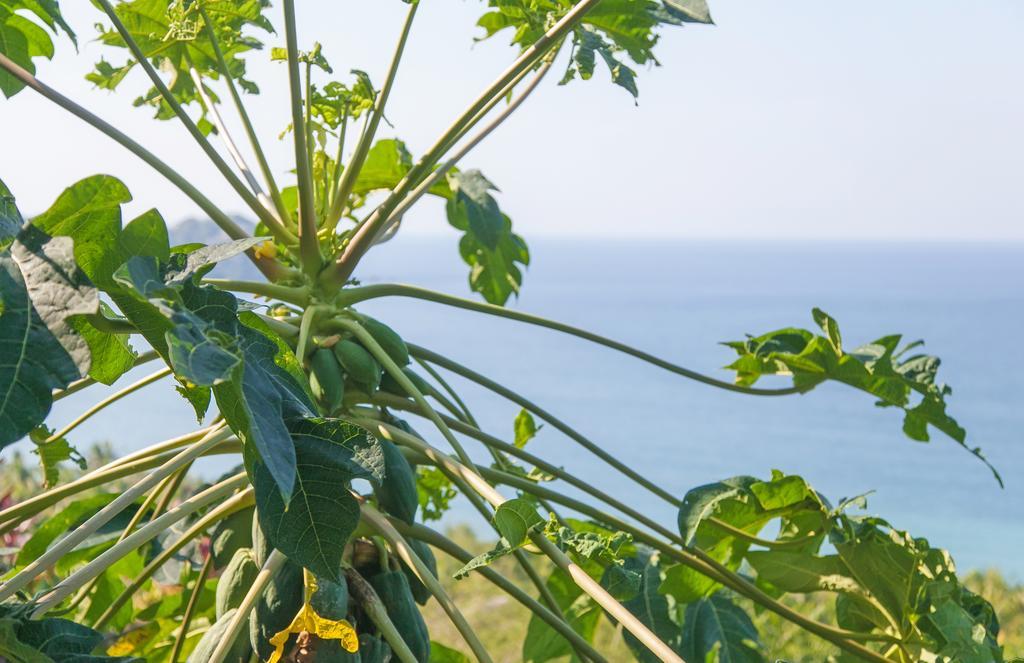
{"points": [[352, 296], [403, 206], [355, 164], [279, 229], [582, 580], [561, 426], [287, 294], [147, 533], [452, 549], [309, 244], [275, 560], [234, 504], [106, 402], [190, 608], [79, 385], [270, 269], [398, 543], [250, 130], [45, 561]]}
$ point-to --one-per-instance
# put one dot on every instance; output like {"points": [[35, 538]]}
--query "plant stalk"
{"points": [[109, 400], [274, 562], [190, 608]]}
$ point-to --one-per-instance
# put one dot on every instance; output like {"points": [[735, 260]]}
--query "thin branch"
{"points": [[190, 608], [309, 244], [79, 385], [269, 268], [288, 294]]}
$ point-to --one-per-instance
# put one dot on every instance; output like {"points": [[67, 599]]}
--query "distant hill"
{"points": [[197, 229]]}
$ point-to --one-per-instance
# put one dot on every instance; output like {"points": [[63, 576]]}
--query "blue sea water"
{"points": [[678, 300]]}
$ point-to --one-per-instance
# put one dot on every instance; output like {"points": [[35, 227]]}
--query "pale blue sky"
{"points": [[788, 120]]}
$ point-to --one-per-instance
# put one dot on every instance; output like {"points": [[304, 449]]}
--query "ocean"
{"points": [[679, 300]]}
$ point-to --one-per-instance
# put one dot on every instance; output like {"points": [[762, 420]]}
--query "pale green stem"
{"points": [[335, 173], [153, 450], [269, 268], [365, 236], [15, 515], [585, 486], [305, 333], [79, 385], [355, 164], [758, 541], [232, 505], [309, 245], [450, 548], [353, 296], [280, 230], [557, 423], [46, 561], [172, 101], [106, 402], [378, 614], [466, 414], [145, 534], [241, 617], [190, 608], [412, 560], [288, 294], [261, 158], [367, 340]]}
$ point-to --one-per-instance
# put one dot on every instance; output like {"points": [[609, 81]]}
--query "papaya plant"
{"points": [[317, 546]]}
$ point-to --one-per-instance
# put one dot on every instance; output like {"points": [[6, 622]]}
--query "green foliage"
{"points": [[297, 396], [22, 39], [881, 368]]}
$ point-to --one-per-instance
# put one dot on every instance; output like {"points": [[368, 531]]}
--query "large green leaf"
{"points": [[22, 39], [314, 527], [41, 287], [883, 368], [718, 624], [651, 608], [58, 640], [386, 164], [801, 572], [542, 643]]}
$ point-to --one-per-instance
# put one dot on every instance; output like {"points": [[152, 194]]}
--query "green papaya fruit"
{"points": [[235, 581], [276, 609], [203, 651], [325, 379], [391, 385], [424, 552], [231, 534], [331, 651], [393, 590], [374, 649], [397, 492], [388, 339], [358, 364], [260, 546], [330, 600]]}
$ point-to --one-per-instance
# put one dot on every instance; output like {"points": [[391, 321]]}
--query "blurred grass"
{"points": [[501, 622]]}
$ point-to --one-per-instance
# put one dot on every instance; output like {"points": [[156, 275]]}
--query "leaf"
{"points": [[313, 528], [800, 572], [542, 643], [208, 256], [309, 621], [21, 39], [690, 10], [718, 623], [514, 519], [111, 356], [59, 640], [440, 653], [525, 428], [651, 608], [881, 368], [386, 164], [435, 493], [52, 453], [40, 288]]}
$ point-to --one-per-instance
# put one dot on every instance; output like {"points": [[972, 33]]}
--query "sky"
{"points": [[796, 120]]}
